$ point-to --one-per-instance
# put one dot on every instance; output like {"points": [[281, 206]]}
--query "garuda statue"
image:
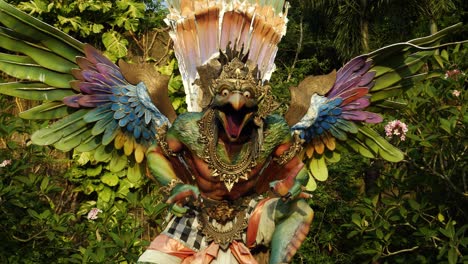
{"points": [[233, 171]]}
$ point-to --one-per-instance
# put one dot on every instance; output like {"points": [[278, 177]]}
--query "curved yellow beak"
{"points": [[237, 101]]}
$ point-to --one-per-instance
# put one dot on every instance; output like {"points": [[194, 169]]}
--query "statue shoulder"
{"points": [[276, 132], [185, 129], [276, 126]]}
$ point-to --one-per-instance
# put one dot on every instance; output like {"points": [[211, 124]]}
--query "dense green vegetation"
{"points": [[368, 211]]}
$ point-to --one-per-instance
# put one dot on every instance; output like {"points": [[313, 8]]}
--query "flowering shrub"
{"points": [[417, 213], [93, 213], [454, 74], [396, 128], [5, 163]]}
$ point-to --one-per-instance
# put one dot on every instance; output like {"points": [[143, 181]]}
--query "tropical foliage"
{"points": [[68, 208]]}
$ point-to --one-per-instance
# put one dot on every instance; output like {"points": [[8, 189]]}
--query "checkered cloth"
{"points": [[186, 228]]}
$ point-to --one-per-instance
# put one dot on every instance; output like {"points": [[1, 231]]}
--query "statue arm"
{"points": [[159, 167], [162, 169], [295, 174]]}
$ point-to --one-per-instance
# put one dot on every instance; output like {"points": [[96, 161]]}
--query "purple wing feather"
{"points": [[103, 86], [366, 79], [360, 103], [345, 101]]}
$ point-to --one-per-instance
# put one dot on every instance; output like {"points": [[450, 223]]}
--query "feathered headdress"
{"points": [[202, 29]]}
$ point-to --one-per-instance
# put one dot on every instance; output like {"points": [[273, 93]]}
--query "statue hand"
{"points": [[287, 189], [180, 195]]}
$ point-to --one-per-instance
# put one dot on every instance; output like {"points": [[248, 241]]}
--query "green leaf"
{"points": [[356, 219], [97, 28], [379, 234], [175, 83], [124, 188], [117, 162], [445, 125], [134, 173], [116, 44], [352, 234], [452, 256], [117, 239], [167, 69], [111, 179], [444, 54], [439, 60], [105, 194], [94, 171], [44, 184], [33, 213], [413, 204], [35, 6], [448, 125]]}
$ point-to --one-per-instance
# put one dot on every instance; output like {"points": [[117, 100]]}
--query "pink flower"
{"points": [[456, 93], [93, 213], [5, 163], [396, 128], [453, 74]]}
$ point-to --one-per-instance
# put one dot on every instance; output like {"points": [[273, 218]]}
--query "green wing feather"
{"points": [[47, 111], [46, 57], [34, 91]]}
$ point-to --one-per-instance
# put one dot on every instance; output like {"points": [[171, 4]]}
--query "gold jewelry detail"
{"points": [[224, 212], [161, 138], [292, 151], [228, 173], [169, 187]]}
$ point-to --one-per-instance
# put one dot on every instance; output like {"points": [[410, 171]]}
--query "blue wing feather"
{"points": [[104, 88]]}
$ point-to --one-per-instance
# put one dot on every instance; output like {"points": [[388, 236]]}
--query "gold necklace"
{"points": [[228, 173]]}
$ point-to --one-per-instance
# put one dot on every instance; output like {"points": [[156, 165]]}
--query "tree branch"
{"points": [[29, 238], [298, 50], [399, 251]]}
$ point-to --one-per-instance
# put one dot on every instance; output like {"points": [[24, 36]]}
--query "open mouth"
{"points": [[234, 121]]}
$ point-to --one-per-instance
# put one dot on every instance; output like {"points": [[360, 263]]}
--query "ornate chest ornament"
{"points": [[234, 71]]}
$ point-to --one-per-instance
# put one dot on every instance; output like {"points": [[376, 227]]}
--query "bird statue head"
{"points": [[233, 90]]}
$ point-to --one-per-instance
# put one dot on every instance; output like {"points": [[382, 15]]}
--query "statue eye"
{"points": [[225, 92], [247, 94]]}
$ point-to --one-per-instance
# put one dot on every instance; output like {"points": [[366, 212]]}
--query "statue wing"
{"points": [[335, 110], [91, 104]]}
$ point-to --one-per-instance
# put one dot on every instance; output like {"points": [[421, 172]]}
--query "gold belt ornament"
{"points": [[215, 217]]}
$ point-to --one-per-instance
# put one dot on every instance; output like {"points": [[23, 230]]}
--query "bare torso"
{"points": [[199, 173]]}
